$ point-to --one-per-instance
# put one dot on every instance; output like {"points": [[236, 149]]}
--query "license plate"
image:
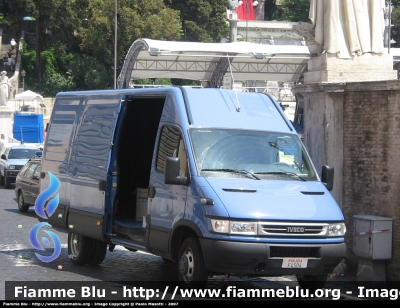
{"points": [[294, 262]]}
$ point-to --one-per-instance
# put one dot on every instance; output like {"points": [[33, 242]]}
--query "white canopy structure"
{"points": [[29, 96], [209, 62]]}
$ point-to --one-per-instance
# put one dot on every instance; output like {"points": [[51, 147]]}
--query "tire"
{"points": [[7, 183], [192, 272], [22, 206], [100, 250], [312, 282], [1, 180], [80, 248]]}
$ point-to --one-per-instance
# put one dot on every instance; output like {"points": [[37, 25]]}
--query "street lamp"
{"points": [[115, 43], [23, 73]]}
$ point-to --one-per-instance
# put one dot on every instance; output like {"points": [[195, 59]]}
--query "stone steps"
{"points": [[4, 49]]}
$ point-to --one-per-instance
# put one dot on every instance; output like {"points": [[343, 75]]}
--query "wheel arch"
{"points": [[182, 230]]}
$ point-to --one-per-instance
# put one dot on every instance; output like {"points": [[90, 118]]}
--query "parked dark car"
{"points": [[27, 184]]}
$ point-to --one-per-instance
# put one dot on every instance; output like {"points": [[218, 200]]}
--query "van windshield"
{"points": [[22, 153], [255, 155]]}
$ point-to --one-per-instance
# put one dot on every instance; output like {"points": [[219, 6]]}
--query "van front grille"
{"points": [[293, 229]]}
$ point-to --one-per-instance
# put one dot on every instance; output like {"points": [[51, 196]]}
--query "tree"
{"points": [[58, 17], [136, 19], [291, 10], [269, 9], [74, 43], [202, 20], [395, 31]]}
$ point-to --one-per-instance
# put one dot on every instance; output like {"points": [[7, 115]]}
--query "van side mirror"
{"points": [[172, 166], [3, 156], [327, 176]]}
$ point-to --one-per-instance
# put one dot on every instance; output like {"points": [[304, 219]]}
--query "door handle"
{"points": [[151, 192]]}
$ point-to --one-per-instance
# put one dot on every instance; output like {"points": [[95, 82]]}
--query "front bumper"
{"points": [[262, 259], [11, 175]]}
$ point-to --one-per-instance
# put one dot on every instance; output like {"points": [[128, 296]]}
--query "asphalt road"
{"points": [[18, 262]]}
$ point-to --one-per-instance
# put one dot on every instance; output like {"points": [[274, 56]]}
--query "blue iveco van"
{"points": [[213, 180]]}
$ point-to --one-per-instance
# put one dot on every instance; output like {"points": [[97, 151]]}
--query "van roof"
{"points": [[213, 107], [230, 109]]}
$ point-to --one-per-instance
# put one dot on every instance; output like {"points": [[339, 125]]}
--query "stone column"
{"points": [[233, 28]]}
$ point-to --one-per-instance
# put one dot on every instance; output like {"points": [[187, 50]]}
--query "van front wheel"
{"points": [[80, 248], [192, 272], [312, 282]]}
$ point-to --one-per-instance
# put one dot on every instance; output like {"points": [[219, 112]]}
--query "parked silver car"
{"points": [[12, 160]]}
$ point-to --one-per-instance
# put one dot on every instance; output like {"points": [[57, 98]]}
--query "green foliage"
{"points": [[79, 52], [136, 19], [395, 34], [292, 10], [202, 20], [167, 81], [269, 9]]}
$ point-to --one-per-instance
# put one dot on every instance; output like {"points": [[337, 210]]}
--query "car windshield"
{"points": [[255, 155], [22, 153]]}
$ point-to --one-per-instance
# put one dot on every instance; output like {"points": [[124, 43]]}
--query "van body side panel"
{"points": [[59, 138], [86, 223], [55, 159], [195, 210], [90, 152], [78, 148]]}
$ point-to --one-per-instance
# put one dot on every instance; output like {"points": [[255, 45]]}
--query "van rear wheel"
{"points": [[1, 180], [80, 248], [192, 272], [100, 250]]}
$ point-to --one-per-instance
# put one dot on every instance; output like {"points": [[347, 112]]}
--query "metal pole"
{"points": [[247, 18], [115, 44], [390, 26]]}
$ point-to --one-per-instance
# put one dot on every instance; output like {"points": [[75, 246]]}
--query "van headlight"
{"points": [[336, 229], [234, 227], [12, 167]]}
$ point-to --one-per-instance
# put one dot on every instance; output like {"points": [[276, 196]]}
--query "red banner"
{"points": [[245, 11]]}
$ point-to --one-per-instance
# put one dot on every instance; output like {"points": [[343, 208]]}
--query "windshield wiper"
{"points": [[245, 172], [292, 174]]}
